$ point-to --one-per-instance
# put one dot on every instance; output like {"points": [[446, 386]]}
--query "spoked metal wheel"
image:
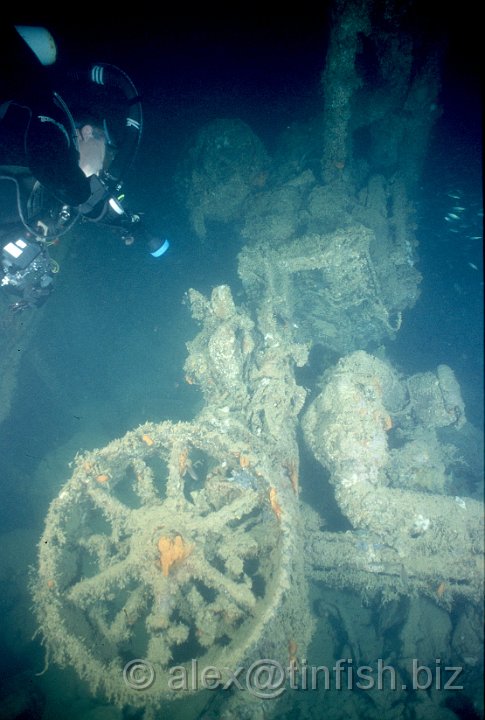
{"points": [[166, 547]]}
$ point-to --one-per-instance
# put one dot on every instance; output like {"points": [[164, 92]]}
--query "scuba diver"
{"points": [[54, 170]]}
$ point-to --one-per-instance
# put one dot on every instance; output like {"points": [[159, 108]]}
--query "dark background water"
{"points": [[446, 326], [110, 349]]}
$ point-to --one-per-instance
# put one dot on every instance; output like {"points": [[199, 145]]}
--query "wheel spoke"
{"points": [[90, 590], [235, 510], [212, 578]]}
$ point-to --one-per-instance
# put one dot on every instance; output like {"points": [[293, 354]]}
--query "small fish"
{"points": [[475, 237], [458, 209], [473, 267], [454, 195], [452, 216]]}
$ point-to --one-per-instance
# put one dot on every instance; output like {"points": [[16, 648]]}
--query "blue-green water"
{"points": [[109, 351]]}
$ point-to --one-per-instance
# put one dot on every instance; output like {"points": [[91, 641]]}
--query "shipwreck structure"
{"points": [[195, 540]]}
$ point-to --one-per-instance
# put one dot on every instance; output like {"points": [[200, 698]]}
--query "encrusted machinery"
{"points": [[183, 542], [246, 371], [224, 164], [376, 434], [174, 543], [326, 288], [188, 541]]}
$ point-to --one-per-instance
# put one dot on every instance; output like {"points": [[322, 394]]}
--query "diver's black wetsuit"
{"points": [[34, 128]]}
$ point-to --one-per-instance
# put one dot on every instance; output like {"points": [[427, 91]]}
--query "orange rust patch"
{"points": [[275, 506]]}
